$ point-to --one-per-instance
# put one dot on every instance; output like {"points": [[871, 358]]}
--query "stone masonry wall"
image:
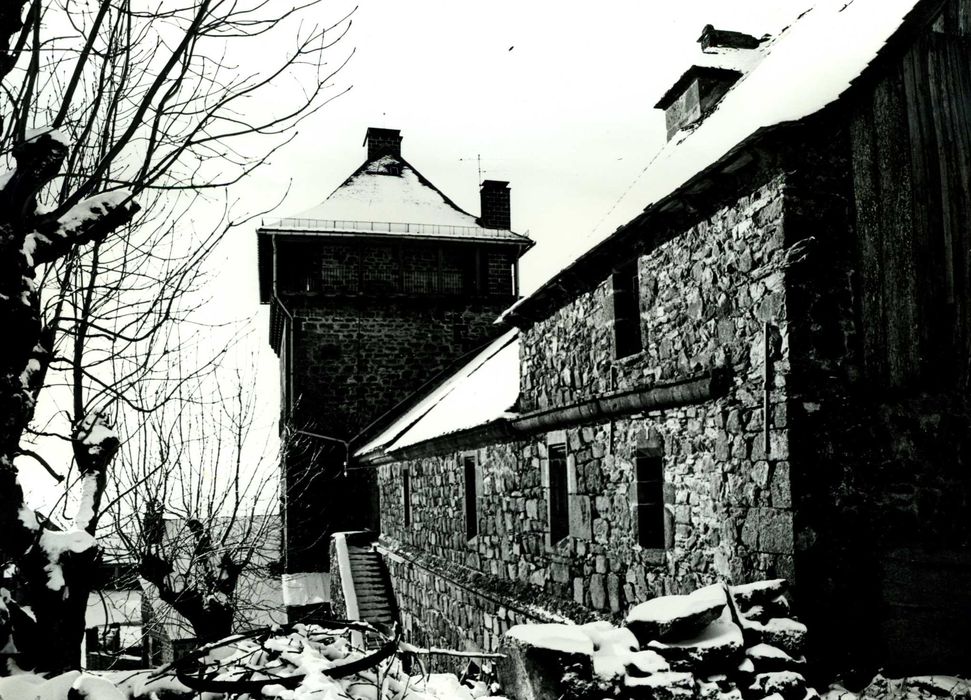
{"points": [[705, 296], [355, 360]]}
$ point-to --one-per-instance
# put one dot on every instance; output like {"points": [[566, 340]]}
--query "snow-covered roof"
{"points": [[808, 66], [388, 196], [482, 391]]}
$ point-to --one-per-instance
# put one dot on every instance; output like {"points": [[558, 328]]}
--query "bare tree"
{"points": [[117, 117], [197, 506]]}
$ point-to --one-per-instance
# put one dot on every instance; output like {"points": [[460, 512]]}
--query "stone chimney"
{"points": [[382, 142], [712, 38], [494, 200], [696, 93]]}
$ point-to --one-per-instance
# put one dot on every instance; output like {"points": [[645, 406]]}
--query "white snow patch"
{"points": [[95, 688], [446, 685], [748, 590], [28, 517], [55, 544], [570, 639], [56, 135], [612, 648], [21, 686], [776, 624], [662, 679], [306, 588], [55, 576], [767, 651], [649, 661], [33, 367], [92, 208], [89, 490], [95, 430], [347, 585]]}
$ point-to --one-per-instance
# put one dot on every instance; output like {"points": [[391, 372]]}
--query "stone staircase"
{"points": [[376, 603]]}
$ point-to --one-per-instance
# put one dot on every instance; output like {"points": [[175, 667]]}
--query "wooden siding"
{"points": [[911, 140]]}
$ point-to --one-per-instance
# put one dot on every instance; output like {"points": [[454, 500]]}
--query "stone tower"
{"points": [[372, 294]]}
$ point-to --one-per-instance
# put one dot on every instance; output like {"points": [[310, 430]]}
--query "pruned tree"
{"points": [[117, 117], [198, 509]]}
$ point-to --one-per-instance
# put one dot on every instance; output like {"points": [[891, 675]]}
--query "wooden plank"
{"points": [[867, 195], [950, 82], [897, 229], [934, 328]]}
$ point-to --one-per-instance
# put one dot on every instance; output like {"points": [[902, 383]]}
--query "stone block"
{"points": [[613, 592], [536, 657], [580, 518], [598, 592]]}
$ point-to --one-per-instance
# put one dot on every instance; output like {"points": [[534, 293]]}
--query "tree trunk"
{"points": [[47, 614]]}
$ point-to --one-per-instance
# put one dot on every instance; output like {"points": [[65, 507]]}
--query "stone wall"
{"points": [[705, 297], [355, 359]]}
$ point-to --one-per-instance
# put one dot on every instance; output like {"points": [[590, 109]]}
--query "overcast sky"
{"points": [[555, 97]]}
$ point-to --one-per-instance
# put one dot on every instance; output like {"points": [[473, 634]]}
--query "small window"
{"points": [[650, 499], [559, 493], [627, 311], [471, 496], [406, 495]]}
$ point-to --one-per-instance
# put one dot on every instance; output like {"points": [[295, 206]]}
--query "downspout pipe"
{"points": [[289, 331], [598, 408], [672, 394]]}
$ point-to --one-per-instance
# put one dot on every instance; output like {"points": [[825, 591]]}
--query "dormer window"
{"points": [[725, 57]]}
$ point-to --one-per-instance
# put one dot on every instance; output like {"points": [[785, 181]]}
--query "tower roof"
{"points": [[388, 196]]}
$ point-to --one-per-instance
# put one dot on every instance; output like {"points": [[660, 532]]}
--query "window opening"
{"points": [[650, 499], [627, 311], [406, 495], [471, 497], [559, 496]]}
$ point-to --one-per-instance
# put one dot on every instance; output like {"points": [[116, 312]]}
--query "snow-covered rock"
{"points": [[676, 616], [787, 684], [612, 648], [537, 657], [669, 685], [644, 663], [717, 646], [781, 632], [758, 592], [766, 657]]}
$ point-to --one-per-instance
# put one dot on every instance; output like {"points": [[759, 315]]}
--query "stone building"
{"points": [[372, 294], [762, 372]]}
